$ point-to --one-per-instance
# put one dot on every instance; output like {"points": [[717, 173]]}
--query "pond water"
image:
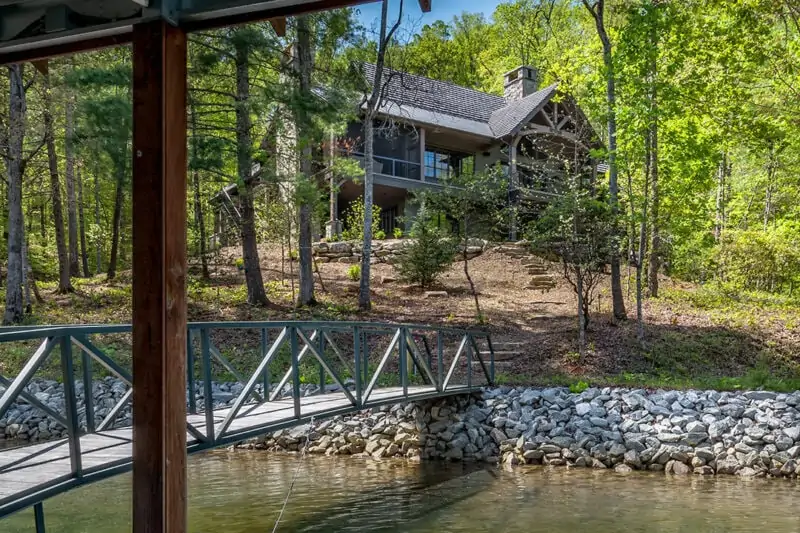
{"points": [[243, 492]]}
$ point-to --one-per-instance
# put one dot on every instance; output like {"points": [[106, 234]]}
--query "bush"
{"points": [[397, 233], [354, 221], [428, 255], [354, 272], [380, 235]]}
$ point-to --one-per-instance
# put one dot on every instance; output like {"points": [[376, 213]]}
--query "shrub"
{"points": [[239, 263], [380, 235], [397, 233], [428, 255], [354, 221], [579, 387], [354, 272]]}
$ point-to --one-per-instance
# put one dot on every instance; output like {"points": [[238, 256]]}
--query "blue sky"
{"points": [[414, 18]]}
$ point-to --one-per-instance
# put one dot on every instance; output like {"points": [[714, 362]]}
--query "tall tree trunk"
{"points": [[82, 224], [198, 206], [16, 130], [119, 198], [598, 12], [256, 295], [305, 66], [655, 228], [97, 240], [64, 283], [373, 105], [640, 258], [719, 218], [69, 174], [364, 297]]}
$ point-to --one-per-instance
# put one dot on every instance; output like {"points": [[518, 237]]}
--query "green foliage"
{"points": [[354, 220], [428, 255], [239, 263], [354, 272], [761, 260], [380, 235], [579, 387], [397, 233]]}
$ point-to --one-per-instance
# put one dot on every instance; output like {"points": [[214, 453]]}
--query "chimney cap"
{"points": [[523, 71]]}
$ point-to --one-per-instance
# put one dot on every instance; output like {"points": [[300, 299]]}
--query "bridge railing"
{"points": [[232, 366]]}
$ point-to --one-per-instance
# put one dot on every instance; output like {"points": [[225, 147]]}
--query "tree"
{"points": [[476, 202], [106, 129], [430, 252], [305, 66], [597, 10], [578, 228], [241, 40], [15, 167], [69, 175], [64, 282], [373, 103]]}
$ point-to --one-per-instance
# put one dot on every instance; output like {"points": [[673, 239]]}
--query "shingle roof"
{"points": [[479, 112], [506, 120]]}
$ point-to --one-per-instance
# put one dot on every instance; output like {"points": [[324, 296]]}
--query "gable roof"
{"points": [[412, 97], [510, 119]]}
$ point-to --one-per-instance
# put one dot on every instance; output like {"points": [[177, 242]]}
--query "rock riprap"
{"points": [[748, 434], [679, 432], [23, 421]]}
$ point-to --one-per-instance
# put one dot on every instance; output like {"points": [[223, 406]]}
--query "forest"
{"points": [[696, 103]]}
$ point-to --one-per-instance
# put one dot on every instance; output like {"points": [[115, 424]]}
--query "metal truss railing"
{"points": [[350, 361]]}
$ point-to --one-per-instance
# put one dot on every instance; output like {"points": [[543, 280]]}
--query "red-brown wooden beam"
{"points": [[159, 276], [425, 6], [279, 25]]}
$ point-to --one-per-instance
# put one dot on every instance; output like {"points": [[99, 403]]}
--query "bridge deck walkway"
{"points": [[34, 472]]}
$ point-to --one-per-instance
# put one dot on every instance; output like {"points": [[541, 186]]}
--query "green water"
{"points": [[242, 492]]}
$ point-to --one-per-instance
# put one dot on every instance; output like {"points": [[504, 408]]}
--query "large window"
{"points": [[443, 164]]}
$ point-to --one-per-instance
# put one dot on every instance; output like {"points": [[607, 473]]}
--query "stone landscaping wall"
{"points": [[747, 434], [385, 251], [753, 433]]}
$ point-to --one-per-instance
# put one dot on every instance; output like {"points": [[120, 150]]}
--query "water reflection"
{"points": [[243, 492]]}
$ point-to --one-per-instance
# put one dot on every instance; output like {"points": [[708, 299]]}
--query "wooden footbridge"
{"points": [[355, 366]]}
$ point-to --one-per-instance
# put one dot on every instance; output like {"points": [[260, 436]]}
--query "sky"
{"points": [[440, 10]]}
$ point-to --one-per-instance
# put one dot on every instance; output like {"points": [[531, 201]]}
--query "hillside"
{"points": [[695, 336]]}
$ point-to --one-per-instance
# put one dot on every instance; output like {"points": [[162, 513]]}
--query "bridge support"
{"points": [[159, 271], [38, 517]]}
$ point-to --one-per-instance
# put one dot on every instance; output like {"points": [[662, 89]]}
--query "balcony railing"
{"points": [[389, 166]]}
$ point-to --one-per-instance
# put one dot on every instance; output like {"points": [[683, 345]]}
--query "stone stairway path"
{"points": [[505, 352], [541, 278]]}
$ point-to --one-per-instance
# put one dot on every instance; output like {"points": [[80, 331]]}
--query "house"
{"points": [[428, 130]]}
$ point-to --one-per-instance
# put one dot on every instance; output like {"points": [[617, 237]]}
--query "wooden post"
{"points": [[422, 154], [514, 185], [159, 272]]}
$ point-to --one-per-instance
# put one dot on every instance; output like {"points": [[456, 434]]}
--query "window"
{"points": [[442, 164]]}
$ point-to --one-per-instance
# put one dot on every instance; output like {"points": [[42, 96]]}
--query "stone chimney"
{"points": [[520, 82]]}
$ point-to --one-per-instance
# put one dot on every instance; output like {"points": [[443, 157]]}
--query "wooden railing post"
{"points": [[71, 401]]}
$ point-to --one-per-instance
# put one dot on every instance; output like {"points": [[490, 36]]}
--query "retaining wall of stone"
{"points": [[703, 432], [385, 251]]}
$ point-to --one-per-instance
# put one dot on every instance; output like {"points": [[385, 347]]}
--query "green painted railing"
{"points": [[268, 361]]}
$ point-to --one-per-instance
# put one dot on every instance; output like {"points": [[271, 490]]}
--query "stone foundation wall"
{"points": [[703, 432]]}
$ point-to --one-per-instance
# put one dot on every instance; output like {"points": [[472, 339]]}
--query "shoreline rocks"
{"points": [[751, 434]]}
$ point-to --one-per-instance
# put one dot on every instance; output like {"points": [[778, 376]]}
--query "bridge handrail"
{"points": [[17, 333]]}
